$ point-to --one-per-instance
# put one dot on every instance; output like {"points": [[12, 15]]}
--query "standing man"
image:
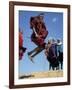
{"points": [[60, 52], [50, 53]]}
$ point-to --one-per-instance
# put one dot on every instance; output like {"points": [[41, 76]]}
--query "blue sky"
{"points": [[54, 25]]}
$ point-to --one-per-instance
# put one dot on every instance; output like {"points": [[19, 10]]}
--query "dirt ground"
{"points": [[47, 74]]}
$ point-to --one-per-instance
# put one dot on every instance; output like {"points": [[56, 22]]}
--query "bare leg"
{"points": [[34, 50], [37, 51], [53, 68], [61, 65], [49, 66]]}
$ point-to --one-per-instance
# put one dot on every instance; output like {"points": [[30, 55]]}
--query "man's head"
{"points": [[49, 43], [41, 18], [58, 40]]}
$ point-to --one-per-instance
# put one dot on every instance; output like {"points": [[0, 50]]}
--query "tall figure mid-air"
{"points": [[39, 34]]}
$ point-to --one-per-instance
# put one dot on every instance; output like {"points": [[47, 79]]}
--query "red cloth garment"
{"points": [[20, 39], [21, 48], [40, 29]]}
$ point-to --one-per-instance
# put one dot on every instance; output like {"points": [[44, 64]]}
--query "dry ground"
{"points": [[47, 74]]}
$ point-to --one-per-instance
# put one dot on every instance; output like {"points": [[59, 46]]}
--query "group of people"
{"points": [[54, 54], [52, 48]]}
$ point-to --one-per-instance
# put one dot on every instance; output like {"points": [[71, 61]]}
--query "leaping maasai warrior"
{"points": [[21, 48], [39, 34]]}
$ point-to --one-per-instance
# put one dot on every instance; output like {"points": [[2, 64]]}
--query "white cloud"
{"points": [[54, 19]]}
